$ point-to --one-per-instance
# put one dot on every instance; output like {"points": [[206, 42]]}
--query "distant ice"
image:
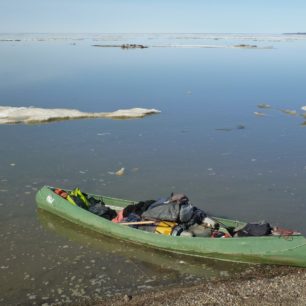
{"points": [[32, 115], [241, 46], [151, 39]]}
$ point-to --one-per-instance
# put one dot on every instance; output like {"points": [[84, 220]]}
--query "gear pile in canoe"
{"points": [[174, 224]]}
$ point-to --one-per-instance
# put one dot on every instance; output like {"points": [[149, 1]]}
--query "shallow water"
{"points": [[206, 142]]}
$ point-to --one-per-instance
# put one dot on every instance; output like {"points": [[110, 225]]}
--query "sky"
{"points": [[152, 16]]}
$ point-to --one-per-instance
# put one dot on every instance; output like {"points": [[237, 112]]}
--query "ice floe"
{"points": [[242, 46], [32, 115], [148, 37]]}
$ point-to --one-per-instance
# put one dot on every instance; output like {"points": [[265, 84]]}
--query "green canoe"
{"points": [[281, 250]]}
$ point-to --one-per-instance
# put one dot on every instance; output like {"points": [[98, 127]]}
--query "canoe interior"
{"points": [[118, 204]]}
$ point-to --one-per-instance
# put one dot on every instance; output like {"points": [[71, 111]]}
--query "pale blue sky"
{"points": [[164, 16]]}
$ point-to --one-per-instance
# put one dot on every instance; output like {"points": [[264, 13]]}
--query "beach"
{"points": [[269, 286]]}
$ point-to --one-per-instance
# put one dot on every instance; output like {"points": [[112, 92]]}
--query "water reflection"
{"points": [[181, 263], [86, 265]]}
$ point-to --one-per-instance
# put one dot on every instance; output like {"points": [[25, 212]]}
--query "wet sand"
{"points": [[267, 286]]}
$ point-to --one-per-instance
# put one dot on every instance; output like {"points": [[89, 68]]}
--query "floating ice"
{"points": [[259, 114], [289, 112], [242, 46], [32, 115], [120, 172], [263, 105]]}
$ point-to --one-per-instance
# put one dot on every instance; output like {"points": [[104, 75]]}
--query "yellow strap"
{"points": [[77, 192], [70, 200], [83, 198]]}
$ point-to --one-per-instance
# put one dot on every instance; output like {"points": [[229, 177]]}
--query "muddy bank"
{"points": [[267, 286]]}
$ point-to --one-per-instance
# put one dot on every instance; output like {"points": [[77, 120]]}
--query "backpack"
{"points": [[255, 229]]}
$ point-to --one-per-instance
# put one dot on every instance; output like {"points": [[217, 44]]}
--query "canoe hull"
{"points": [[267, 249]]}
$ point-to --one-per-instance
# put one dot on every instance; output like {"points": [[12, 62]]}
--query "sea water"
{"points": [[210, 141]]}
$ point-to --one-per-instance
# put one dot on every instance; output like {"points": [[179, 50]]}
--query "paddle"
{"points": [[137, 223]]}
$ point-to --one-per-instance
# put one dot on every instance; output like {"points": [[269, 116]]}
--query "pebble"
{"points": [[32, 297], [127, 298]]}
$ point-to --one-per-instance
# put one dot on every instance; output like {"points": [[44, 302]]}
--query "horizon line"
{"points": [[299, 32]]}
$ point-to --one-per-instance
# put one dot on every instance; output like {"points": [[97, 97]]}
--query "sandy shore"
{"points": [[268, 286]]}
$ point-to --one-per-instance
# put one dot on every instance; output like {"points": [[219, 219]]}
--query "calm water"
{"points": [[196, 146]]}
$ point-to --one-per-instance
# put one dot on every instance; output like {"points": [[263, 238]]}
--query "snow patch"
{"points": [[32, 115]]}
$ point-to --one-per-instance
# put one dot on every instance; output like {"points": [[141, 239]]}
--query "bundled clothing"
{"points": [[176, 209]]}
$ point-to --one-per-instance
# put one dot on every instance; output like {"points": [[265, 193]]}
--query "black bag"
{"points": [[103, 211], [255, 229], [138, 208]]}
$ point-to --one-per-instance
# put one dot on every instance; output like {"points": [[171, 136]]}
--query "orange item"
{"points": [[61, 193], [119, 217]]}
